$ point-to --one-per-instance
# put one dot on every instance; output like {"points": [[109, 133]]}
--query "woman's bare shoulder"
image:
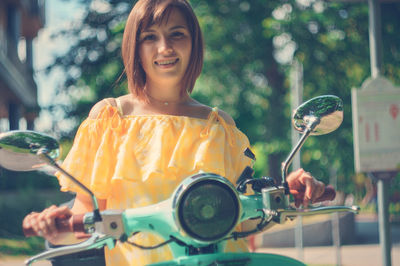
{"points": [[125, 103], [206, 110], [228, 119], [96, 109]]}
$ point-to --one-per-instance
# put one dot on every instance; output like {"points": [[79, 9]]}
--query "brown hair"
{"points": [[149, 12]]}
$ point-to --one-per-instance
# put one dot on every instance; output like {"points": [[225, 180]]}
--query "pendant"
{"points": [[165, 103]]}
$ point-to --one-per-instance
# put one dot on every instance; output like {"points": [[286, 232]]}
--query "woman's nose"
{"points": [[165, 46]]}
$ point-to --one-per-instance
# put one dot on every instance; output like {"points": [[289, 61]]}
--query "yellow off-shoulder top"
{"points": [[134, 161]]}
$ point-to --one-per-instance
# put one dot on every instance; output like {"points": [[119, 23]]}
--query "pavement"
{"points": [[349, 255], [18, 261], [365, 251]]}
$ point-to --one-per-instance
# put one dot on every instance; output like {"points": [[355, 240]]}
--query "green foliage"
{"points": [[394, 208], [332, 45], [92, 65], [250, 46], [65, 145], [11, 180], [21, 246], [16, 204], [240, 73]]}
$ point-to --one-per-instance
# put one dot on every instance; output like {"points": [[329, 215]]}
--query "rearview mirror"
{"points": [[24, 150], [19, 149], [326, 109]]}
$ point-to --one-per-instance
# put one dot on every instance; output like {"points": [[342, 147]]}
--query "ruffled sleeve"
{"points": [[151, 153], [90, 159]]}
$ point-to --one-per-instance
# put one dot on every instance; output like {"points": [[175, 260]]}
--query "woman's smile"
{"points": [[166, 63]]}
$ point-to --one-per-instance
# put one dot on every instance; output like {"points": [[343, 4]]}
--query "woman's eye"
{"points": [[149, 37], [177, 35]]}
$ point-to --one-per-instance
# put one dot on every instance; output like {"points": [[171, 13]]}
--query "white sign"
{"points": [[376, 126]]}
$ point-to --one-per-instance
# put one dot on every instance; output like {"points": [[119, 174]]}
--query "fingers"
{"points": [[294, 176], [43, 224], [298, 201], [309, 189], [314, 189], [29, 222], [304, 187]]}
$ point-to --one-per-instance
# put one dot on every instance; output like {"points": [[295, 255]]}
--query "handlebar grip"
{"points": [[329, 194], [28, 231], [63, 225]]}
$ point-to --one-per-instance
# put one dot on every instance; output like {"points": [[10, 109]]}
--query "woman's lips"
{"points": [[165, 63]]}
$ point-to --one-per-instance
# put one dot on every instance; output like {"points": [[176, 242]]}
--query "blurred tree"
{"points": [[92, 65], [331, 41], [241, 74], [249, 49]]}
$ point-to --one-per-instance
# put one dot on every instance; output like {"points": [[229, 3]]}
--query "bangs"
{"points": [[158, 13]]}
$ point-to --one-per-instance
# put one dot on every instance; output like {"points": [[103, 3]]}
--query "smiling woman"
{"points": [[134, 150], [164, 53]]}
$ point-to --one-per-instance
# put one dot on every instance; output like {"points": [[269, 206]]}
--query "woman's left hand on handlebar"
{"points": [[304, 187]]}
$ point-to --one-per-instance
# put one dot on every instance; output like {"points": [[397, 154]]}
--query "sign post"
{"points": [[376, 126], [376, 130]]}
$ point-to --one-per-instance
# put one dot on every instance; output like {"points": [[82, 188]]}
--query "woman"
{"points": [[134, 150]]}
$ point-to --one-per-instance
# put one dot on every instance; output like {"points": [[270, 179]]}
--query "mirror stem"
{"points": [[42, 153], [312, 123]]}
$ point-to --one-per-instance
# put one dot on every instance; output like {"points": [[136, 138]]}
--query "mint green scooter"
{"points": [[203, 211]]}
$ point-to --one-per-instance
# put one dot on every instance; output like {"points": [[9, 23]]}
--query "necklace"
{"points": [[165, 103]]}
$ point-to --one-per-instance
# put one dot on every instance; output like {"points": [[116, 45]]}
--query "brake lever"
{"points": [[276, 205], [95, 241], [282, 215]]}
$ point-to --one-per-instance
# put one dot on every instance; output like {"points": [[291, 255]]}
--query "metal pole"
{"points": [[384, 225], [336, 237], [297, 96], [335, 219], [375, 37], [375, 42], [14, 114]]}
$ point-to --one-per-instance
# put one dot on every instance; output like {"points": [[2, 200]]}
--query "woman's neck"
{"points": [[166, 95]]}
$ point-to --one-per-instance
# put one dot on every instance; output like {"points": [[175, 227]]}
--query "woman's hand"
{"points": [[44, 223], [304, 187]]}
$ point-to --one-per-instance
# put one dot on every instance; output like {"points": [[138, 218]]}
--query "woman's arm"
{"points": [[43, 223]]}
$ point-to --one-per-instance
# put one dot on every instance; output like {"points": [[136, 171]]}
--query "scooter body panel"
{"points": [[232, 259]]}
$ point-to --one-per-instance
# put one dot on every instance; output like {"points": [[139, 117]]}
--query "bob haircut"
{"points": [[144, 14]]}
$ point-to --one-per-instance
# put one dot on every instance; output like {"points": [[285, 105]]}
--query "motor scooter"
{"points": [[203, 211]]}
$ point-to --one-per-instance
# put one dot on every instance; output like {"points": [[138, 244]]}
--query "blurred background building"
{"points": [[20, 22]]}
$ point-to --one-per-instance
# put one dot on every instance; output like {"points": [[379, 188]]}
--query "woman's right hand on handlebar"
{"points": [[44, 223]]}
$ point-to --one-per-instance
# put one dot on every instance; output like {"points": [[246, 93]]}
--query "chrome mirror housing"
{"points": [[19, 149]]}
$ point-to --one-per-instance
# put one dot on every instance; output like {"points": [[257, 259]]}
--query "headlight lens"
{"points": [[208, 210]]}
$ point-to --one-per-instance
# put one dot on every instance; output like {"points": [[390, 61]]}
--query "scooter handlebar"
{"points": [[75, 223]]}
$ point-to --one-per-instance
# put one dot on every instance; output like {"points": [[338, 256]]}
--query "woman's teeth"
{"points": [[162, 63]]}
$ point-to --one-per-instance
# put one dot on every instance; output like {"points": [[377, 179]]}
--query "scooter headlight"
{"points": [[207, 208]]}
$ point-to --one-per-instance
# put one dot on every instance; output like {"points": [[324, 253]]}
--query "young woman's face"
{"points": [[165, 49]]}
